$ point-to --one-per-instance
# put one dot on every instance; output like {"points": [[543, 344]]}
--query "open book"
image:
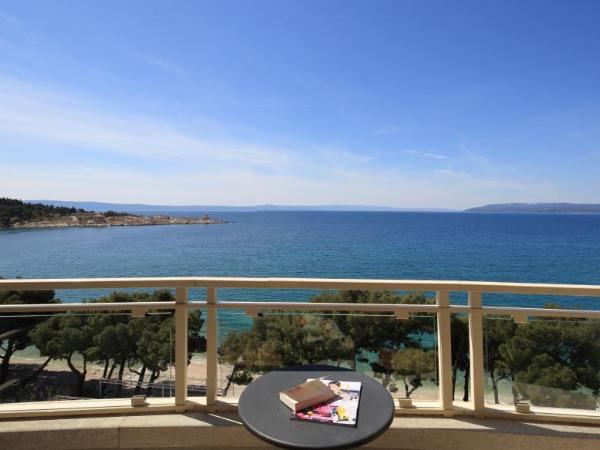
{"points": [[340, 410]]}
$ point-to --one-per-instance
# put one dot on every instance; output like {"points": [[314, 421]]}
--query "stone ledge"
{"points": [[223, 430]]}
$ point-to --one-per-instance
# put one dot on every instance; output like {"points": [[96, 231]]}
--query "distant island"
{"points": [[19, 214], [539, 208]]}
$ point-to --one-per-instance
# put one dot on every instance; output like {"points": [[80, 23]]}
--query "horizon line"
{"points": [[260, 205]]}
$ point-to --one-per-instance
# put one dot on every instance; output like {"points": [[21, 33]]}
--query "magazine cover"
{"points": [[341, 410]]}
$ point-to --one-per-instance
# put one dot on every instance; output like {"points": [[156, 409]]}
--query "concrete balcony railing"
{"points": [[441, 311]]}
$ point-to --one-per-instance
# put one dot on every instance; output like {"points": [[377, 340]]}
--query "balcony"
{"points": [[190, 403]]}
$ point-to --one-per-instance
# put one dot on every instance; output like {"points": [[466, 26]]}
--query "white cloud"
{"points": [[447, 172], [337, 156], [208, 171], [163, 65], [47, 116], [9, 19], [422, 154], [394, 129], [240, 186], [477, 159]]}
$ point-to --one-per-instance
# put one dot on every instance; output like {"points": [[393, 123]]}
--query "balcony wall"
{"points": [[223, 431], [436, 316]]}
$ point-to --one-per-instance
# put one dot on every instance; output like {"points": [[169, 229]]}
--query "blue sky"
{"points": [[406, 103]]}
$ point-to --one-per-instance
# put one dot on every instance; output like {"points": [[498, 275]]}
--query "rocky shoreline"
{"points": [[99, 220]]}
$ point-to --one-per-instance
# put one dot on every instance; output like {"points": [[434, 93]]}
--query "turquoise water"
{"points": [[459, 246]]}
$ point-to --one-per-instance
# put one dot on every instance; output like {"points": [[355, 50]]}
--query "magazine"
{"points": [[341, 410]]}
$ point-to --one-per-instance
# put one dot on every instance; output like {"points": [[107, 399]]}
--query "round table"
{"points": [[268, 418]]}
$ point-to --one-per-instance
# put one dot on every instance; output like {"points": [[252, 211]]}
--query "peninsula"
{"points": [[18, 214]]}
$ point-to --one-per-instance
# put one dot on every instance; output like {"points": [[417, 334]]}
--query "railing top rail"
{"points": [[86, 307], [304, 283], [314, 307], [96, 283], [125, 307]]}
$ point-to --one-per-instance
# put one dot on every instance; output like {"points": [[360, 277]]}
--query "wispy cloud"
{"points": [[163, 65], [394, 129], [447, 172], [477, 159], [594, 154], [240, 186], [9, 19], [343, 157], [422, 154], [506, 185], [200, 169], [48, 116]]}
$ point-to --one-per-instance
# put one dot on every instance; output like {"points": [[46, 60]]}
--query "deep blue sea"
{"points": [[447, 246]]}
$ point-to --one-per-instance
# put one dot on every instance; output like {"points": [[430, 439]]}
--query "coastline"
{"points": [[103, 220]]}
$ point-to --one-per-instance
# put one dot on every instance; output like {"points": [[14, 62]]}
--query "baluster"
{"points": [[444, 350], [181, 342], [476, 352], [211, 346]]}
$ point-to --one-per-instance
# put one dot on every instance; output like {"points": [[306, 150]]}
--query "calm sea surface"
{"points": [[452, 246]]}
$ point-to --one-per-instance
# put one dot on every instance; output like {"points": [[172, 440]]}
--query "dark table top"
{"points": [[268, 418]]}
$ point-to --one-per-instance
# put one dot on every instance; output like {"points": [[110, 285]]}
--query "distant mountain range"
{"points": [[140, 208], [540, 208]]}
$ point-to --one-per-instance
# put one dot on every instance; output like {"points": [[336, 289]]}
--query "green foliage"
{"points": [[12, 211], [372, 334], [497, 332], [550, 360], [111, 213], [585, 356], [410, 365], [283, 340], [144, 345], [369, 331], [15, 328], [65, 337], [459, 335]]}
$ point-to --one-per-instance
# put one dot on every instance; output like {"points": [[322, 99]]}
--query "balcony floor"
{"points": [[223, 430]]}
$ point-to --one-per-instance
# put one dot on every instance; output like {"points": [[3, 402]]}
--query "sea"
{"points": [[536, 248]]}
